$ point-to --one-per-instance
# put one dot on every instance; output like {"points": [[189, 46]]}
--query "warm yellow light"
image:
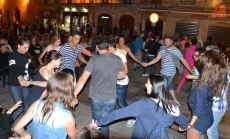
{"points": [[66, 9], [154, 17], [85, 10], [74, 9]]}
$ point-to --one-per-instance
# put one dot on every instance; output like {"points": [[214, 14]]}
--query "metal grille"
{"points": [[191, 29], [220, 33]]}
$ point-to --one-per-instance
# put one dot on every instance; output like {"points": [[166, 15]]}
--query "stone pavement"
{"points": [[136, 91]]}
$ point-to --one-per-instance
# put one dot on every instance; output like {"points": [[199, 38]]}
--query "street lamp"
{"points": [[154, 18]]}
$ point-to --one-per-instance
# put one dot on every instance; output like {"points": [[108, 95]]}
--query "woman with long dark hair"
{"points": [[52, 117], [19, 63], [154, 114]]}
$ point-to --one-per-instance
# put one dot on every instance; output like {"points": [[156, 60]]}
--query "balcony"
{"points": [[186, 3]]}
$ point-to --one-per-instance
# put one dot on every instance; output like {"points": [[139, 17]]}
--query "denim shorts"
{"points": [[170, 83], [204, 122]]}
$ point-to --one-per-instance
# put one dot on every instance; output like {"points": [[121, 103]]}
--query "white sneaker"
{"points": [[130, 123], [145, 75]]}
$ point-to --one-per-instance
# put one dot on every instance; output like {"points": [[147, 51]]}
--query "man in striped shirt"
{"points": [[70, 52], [168, 68]]}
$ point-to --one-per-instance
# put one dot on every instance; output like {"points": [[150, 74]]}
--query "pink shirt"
{"points": [[49, 47], [189, 55]]}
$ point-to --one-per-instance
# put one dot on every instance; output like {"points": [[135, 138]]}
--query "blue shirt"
{"points": [[69, 56], [138, 43], [147, 117], [200, 99], [54, 127]]}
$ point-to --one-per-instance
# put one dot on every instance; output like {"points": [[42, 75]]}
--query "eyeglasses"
{"points": [[195, 55]]}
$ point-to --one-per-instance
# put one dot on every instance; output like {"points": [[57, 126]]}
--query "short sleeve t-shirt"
{"points": [[104, 69], [124, 60], [167, 66]]}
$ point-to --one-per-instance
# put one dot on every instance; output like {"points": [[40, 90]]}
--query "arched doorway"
{"points": [[127, 26], [187, 27], [155, 28], [104, 24], [220, 31]]}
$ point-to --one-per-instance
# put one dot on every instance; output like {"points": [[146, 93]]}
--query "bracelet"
{"points": [[192, 126]]}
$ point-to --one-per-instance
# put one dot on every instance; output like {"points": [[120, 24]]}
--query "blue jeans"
{"points": [[101, 108], [170, 82], [19, 93], [121, 95], [212, 132], [152, 67], [138, 54]]}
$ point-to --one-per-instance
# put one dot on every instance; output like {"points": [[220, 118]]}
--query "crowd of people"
{"points": [[43, 73]]}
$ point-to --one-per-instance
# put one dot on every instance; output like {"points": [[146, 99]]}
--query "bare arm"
{"points": [[126, 68], [192, 122], [41, 56], [194, 77], [81, 82], [82, 59], [185, 63], [132, 56], [121, 75], [155, 60], [71, 127], [26, 118]]}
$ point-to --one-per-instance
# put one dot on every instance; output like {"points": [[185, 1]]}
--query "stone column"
{"points": [[169, 25], [203, 29]]}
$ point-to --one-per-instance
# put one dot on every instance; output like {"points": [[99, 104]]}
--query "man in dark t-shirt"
{"points": [[151, 49]]}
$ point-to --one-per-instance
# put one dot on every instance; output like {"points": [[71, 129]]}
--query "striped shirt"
{"points": [[168, 68], [221, 103], [69, 56]]}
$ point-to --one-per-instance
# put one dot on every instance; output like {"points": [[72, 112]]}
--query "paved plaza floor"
{"points": [[136, 91]]}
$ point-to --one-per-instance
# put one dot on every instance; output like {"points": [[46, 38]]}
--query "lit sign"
{"points": [[104, 17]]}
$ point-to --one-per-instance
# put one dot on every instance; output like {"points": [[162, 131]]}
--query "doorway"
{"points": [[127, 26], [155, 28], [73, 20], [104, 25]]}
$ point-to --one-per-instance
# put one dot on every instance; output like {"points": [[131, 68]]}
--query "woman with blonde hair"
{"points": [[55, 45], [53, 117], [213, 77]]}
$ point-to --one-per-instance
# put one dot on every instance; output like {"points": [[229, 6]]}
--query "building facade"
{"points": [[203, 18]]}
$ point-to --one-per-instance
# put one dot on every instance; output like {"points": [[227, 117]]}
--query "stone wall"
{"points": [[27, 9]]}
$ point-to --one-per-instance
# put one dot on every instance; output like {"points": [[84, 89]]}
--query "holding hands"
{"points": [[144, 64], [94, 124]]}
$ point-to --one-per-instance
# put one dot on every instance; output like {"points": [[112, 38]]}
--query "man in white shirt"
{"points": [[122, 85]]}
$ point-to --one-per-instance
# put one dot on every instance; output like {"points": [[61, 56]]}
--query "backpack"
{"points": [[175, 59]]}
